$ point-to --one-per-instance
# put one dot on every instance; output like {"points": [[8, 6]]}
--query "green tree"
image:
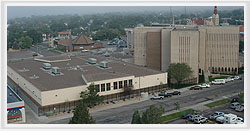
{"points": [[179, 72], [91, 96], [27, 42], [136, 118], [152, 115], [81, 115], [241, 97], [36, 35], [177, 105]]}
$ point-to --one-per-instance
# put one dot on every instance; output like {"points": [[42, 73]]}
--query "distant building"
{"points": [[241, 32], [79, 43], [64, 34], [212, 20], [203, 48], [15, 107]]}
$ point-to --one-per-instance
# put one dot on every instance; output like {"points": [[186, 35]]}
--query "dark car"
{"points": [[195, 88], [35, 54], [165, 95], [235, 100], [176, 93], [185, 116]]}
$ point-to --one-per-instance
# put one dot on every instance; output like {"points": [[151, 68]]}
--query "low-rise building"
{"points": [[15, 107], [57, 88]]}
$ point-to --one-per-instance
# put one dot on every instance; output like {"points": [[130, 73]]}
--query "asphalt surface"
{"points": [[224, 108], [123, 115], [43, 52]]}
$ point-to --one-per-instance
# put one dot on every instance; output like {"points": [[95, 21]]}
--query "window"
{"points": [[115, 85], [120, 84], [97, 88], [102, 87], [126, 83], [108, 86], [130, 83]]}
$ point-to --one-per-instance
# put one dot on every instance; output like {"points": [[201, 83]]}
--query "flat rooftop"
{"points": [[75, 71], [11, 96]]}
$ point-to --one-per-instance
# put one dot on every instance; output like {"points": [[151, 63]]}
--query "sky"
{"points": [[27, 11]]}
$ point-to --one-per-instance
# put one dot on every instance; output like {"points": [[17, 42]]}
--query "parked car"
{"points": [[83, 51], [236, 78], [230, 119], [229, 79], [218, 82], [235, 100], [239, 108], [239, 120], [234, 105], [176, 93], [200, 120], [35, 54], [215, 115], [194, 116], [204, 85], [165, 94], [195, 88], [157, 97], [220, 119], [185, 116]]}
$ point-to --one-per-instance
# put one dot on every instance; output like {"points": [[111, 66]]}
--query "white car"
{"points": [[234, 105], [204, 85], [236, 77], [218, 82], [215, 115], [239, 108], [200, 120], [220, 119], [229, 79], [192, 117], [156, 97]]}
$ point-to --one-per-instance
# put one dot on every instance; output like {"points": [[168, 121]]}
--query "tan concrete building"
{"points": [[203, 48], [57, 88]]}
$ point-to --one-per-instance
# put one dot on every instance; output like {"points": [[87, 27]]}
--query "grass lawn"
{"points": [[217, 103], [54, 51], [173, 116], [219, 77]]}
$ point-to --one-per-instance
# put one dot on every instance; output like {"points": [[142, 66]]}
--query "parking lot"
{"points": [[224, 108]]}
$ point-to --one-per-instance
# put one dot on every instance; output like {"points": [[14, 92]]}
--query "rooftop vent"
{"points": [[46, 66], [92, 61], [104, 64], [55, 70], [34, 77]]}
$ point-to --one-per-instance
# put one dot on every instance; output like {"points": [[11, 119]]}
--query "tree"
{"points": [[152, 115], [91, 96], [177, 105], [88, 98], [136, 118], [241, 97], [35, 35], [27, 42], [179, 72], [81, 115]]}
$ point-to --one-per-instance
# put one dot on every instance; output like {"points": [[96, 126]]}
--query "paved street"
{"points": [[43, 52], [123, 115]]}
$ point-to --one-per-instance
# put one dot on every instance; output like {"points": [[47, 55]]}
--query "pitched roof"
{"points": [[82, 39], [63, 33], [62, 42]]}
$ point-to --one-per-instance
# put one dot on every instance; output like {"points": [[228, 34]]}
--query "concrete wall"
{"points": [[28, 87], [150, 80], [140, 43], [153, 50], [165, 48], [184, 48], [222, 48]]}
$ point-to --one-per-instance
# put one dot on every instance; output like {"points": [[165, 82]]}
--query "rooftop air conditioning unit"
{"points": [[92, 61], [104, 64], [55, 70], [46, 66]]}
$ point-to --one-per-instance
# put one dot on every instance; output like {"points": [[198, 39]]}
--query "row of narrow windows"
{"points": [[116, 85]]}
